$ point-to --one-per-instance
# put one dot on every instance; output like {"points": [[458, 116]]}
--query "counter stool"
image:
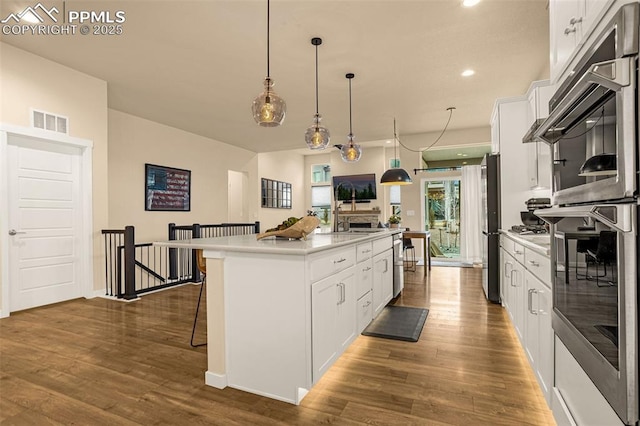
{"points": [[202, 267], [409, 263]]}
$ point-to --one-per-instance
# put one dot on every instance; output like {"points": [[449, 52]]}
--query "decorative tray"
{"points": [[298, 230]]}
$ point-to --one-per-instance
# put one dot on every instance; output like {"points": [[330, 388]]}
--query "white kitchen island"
{"points": [[280, 312]]}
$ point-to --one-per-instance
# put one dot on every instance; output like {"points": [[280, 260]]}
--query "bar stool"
{"points": [[409, 263], [202, 267]]}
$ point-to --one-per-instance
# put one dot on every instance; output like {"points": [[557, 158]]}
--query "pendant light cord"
{"points": [[268, 19], [395, 139], [450, 109], [350, 123], [317, 81]]}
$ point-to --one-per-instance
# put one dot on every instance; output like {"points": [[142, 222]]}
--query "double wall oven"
{"points": [[593, 129]]}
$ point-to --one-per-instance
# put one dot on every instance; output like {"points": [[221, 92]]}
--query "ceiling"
{"points": [[198, 65]]}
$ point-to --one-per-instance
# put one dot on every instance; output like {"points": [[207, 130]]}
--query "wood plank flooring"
{"points": [[102, 362]]}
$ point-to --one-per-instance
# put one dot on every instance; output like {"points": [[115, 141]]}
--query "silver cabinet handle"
{"points": [[518, 252], [534, 263], [569, 30], [530, 300], [386, 265], [366, 251], [575, 20], [368, 268], [14, 232], [367, 304], [505, 269], [339, 261]]}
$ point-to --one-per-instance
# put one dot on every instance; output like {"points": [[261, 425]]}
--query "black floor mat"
{"points": [[398, 323]]}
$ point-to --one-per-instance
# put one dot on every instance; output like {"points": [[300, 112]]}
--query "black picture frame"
{"points": [[275, 194], [167, 189]]}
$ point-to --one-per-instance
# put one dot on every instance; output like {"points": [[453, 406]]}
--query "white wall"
{"points": [[286, 167], [134, 141], [29, 81]]}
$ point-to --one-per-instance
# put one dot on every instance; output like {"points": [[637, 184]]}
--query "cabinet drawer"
{"points": [[514, 249], [363, 251], [539, 265], [364, 311], [364, 274], [325, 264], [382, 244]]}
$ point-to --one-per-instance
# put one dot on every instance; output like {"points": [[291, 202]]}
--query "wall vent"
{"points": [[49, 121]]}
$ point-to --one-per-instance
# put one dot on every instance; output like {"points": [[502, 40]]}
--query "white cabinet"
{"points": [[333, 319], [539, 332], [539, 162], [382, 280], [570, 23], [525, 276]]}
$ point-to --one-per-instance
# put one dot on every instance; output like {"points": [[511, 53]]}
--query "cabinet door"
{"points": [[532, 164], [545, 341], [506, 267], [531, 329], [592, 14], [364, 276], [495, 130], [382, 280], [564, 36], [346, 310], [326, 295], [387, 279], [518, 296]]}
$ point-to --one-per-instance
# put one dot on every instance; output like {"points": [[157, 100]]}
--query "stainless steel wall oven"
{"points": [[593, 129]]}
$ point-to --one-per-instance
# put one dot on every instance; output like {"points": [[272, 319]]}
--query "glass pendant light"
{"points": [[602, 164], [317, 136], [350, 152], [268, 108], [395, 175]]}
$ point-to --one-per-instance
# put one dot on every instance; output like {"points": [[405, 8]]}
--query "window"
{"points": [[321, 202], [320, 173]]}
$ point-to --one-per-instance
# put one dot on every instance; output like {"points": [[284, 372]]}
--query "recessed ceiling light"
{"points": [[464, 162], [469, 3], [388, 142], [459, 154], [468, 73]]}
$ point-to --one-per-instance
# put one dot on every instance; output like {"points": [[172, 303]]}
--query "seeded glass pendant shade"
{"points": [[395, 175], [350, 152], [317, 136], [268, 108]]}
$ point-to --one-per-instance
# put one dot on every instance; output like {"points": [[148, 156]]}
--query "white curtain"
{"points": [[471, 227]]}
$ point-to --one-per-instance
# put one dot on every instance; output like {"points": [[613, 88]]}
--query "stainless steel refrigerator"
{"points": [[490, 167]]}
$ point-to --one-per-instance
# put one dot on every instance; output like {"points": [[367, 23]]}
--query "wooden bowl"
{"points": [[298, 230]]}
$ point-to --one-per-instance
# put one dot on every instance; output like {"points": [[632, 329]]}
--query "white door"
{"points": [[45, 222], [237, 204]]}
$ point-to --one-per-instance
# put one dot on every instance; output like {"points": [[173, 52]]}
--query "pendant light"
{"points": [[600, 164], [317, 136], [268, 108], [395, 175], [350, 152]]}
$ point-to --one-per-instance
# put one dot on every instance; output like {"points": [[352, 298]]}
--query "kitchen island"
{"points": [[280, 312]]}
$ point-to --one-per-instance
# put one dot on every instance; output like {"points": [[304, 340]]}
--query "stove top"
{"points": [[529, 229]]}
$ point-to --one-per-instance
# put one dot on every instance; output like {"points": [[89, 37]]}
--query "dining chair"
{"points": [[605, 253], [407, 245], [202, 267]]}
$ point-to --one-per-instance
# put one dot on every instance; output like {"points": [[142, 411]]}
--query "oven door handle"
{"points": [[622, 221], [613, 75]]}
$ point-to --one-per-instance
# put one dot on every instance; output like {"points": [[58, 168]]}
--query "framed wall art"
{"points": [[275, 194], [167, 188]]}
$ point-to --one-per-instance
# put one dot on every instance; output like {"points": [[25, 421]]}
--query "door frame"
{"points": [[437, 176], [85, 248]]}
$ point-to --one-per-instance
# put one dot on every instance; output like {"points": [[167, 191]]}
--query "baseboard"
{"points": [[215, 380]]}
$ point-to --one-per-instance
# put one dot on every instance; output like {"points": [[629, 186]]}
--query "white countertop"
{"points": [[248, 244], [540, 243]]}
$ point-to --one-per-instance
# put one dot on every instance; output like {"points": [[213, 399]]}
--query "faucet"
{"points": [[335, 201]]}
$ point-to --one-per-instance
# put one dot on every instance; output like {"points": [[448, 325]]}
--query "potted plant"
{"points": [[394, 220]]}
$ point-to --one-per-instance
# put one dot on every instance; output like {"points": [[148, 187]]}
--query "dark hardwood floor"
{"points": [[103, 362]]}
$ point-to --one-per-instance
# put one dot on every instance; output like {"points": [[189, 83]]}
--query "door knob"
{"points": [[14, 232]]}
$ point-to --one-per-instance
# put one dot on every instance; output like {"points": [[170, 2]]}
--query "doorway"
{"points": [[237, 211], [441, 206], [46, 226]]}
